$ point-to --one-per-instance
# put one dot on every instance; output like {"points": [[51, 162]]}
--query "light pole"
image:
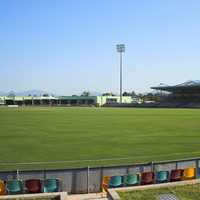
{"points": [[120, 50]]}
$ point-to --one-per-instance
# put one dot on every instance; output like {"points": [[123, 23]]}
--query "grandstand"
{"points": [[63, 100], [184, 95]]}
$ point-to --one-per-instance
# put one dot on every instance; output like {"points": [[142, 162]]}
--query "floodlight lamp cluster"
{"points": [[120, 48]]}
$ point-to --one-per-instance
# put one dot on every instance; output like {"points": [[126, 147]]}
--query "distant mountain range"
{"points": [[25, 93], [38, 93], [31, 92]]}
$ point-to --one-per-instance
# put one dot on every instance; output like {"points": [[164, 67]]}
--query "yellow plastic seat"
{"points": [[2, 188], [105, 185], [189, 173]]}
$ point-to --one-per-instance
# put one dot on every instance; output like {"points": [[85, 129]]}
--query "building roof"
{"points": [[77, 97], [188, 85]]}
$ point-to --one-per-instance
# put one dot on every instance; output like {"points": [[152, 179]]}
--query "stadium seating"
{"points": [[132, 179], [197, 173], [189, 173], [162, 176], [176, 175], [33, 186], [14, 187], [115, 181], [2, 187], [51, 185], [147, 178], [105, 184]]}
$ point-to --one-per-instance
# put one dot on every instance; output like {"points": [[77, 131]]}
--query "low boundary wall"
{"points": [[88, 180]]}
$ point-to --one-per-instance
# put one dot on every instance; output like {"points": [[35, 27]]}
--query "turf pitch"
{"points": [[43, 134]]}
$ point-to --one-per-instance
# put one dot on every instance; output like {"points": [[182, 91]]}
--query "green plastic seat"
{"points": [[162, 176], [115, 181], [14, 187], [132, 179], [51, 185]]}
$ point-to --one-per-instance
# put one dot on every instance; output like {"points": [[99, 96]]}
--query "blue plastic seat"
{"points": [[162, 176], [14, 187], [198, 174], [51, 185], [115, 181], [131, 179]]}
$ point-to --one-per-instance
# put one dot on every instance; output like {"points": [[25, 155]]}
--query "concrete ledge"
{"points": [[157, 186], [62, 195], [113, 195], [90, 196]]}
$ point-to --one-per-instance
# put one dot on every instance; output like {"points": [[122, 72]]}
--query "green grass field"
{"points": [[70, 134], [187, 192]]}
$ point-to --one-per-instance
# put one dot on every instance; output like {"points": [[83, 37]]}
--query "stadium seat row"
{"points": [[149, 178], [29, 186]]}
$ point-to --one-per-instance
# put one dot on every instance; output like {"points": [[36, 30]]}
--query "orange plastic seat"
{"points": [[105, 183], [2, 187], [189, 173]]}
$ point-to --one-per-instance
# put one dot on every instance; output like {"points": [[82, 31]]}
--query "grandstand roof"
{"points": [[188, 85]]}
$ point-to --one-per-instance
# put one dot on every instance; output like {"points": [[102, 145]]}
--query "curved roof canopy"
{"points": [[188, 85]]}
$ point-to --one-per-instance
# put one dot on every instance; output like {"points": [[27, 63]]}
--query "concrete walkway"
{"points": [[63, 196], [92, 196]]}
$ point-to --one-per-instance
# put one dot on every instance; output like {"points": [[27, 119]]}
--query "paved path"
{"points": [[63, 195], [93, 196]]}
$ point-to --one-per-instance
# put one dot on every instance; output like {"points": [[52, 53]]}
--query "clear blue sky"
{"points": [[67, 46]]}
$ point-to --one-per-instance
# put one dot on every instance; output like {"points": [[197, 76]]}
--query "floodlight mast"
{"points": [[120, 50]]}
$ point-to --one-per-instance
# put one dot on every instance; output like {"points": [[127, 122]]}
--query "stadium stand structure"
{"points": [[149, 178], [63, 100], [184, 95], [30, 186], [17, 186]]}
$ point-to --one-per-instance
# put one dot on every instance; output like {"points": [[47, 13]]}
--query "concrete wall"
{"points": [[84, 180]]}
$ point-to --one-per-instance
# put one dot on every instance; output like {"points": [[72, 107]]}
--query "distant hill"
{"points": [[39, 92], [31, 92], [25, 93]]}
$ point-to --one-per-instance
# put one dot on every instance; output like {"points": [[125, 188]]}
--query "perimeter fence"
{"points": [[89, 179]]}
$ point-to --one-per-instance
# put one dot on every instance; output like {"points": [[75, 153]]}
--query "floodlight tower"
{"points": [[120, 50]]}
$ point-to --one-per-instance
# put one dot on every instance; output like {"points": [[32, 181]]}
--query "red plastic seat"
{"points": [[147, 178], [176, 175], [33, 186]]}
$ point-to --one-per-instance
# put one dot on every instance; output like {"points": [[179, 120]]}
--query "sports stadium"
{"points": [[77, 142], [186, 94], [82, 113]]}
